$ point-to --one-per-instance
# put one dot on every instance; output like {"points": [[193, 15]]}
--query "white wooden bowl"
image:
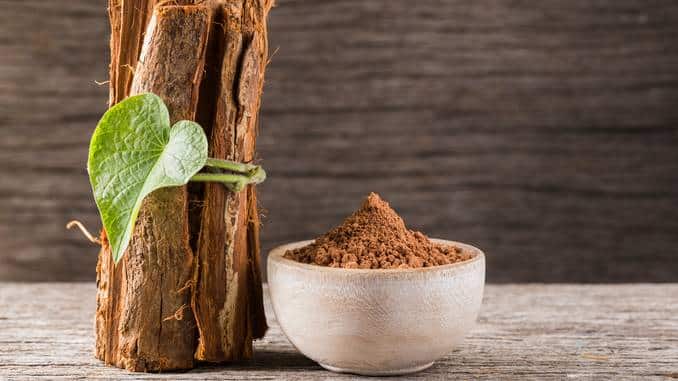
{"points": [[375, 322]]}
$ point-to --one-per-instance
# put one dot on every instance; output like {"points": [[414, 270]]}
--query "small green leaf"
{"points": [[134, 152]]}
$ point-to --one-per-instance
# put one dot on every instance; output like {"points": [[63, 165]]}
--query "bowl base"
{"points": [[376, 372]]}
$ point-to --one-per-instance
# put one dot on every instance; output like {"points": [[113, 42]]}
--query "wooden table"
{"points": [[524, 331]]}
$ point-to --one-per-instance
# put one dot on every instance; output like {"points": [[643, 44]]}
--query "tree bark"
{"points": [[125, 51], [227, 297], [151, 327], [130, 16], [162, 307]]}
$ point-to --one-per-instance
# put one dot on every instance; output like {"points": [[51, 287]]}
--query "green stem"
{"points": [[230, 165], [243, 174], [232, 181], [220, 177]]}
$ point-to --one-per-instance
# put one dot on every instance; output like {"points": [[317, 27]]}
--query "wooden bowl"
{"points": [[375, 322]]}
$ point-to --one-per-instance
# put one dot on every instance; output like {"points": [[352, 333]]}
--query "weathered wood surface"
{"points": [[524, 331], [543, 132]]}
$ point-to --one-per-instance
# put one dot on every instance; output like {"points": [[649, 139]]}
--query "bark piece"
{"points": [[125, 48], [144, 320], [227, 298], [128, 23]]}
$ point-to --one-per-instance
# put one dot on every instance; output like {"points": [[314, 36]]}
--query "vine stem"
{"points": [[231, 165], [83, 230], [243, 174], [233, 182]]}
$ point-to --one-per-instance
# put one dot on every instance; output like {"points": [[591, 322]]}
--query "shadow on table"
{"points": [[266, 361]]}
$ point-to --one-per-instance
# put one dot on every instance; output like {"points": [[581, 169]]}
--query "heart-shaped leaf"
{"points": [[132, 153]]}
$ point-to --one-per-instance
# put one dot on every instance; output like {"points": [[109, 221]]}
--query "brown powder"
{"points": [[375, 237]]}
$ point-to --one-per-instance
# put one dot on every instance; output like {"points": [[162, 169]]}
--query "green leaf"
{"points": [[134, 152]]}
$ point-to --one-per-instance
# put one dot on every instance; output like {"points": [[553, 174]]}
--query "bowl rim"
{"points": [[276, 255]]}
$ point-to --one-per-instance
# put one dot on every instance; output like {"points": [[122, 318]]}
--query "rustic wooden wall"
{"points": [[545, 132]]}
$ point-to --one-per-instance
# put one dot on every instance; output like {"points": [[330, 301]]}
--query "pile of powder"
{"points": [[375, 237]]}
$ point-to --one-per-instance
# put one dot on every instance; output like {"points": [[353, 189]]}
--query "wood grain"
{"points": [[545, 133], [533, 331]]}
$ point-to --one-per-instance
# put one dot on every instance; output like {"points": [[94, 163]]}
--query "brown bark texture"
{"points": [[226, 299], [189, 286]]}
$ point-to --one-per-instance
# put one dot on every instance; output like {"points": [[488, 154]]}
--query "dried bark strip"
{"points": [[227, 299], [142, 318], [125, 48], [128, 23]]}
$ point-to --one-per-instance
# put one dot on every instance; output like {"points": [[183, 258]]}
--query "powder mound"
{"points": [[375, 237]]}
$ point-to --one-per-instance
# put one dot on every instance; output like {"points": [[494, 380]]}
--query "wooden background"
{"points": [[544, 132]]}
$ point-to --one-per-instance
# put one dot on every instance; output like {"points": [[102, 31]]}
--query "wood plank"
{"points": [[545, 133], [524, 331]]}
